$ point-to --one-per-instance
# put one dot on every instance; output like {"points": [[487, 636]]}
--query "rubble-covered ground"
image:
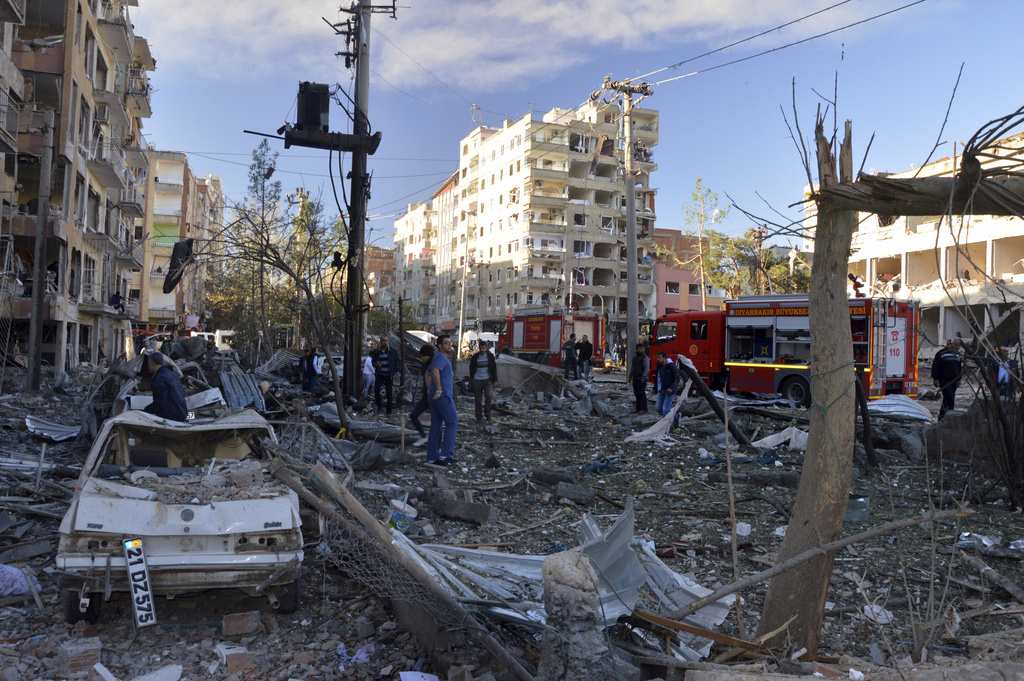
{"points": [[514, 465]]}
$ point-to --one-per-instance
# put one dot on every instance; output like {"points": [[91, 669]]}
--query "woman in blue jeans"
{"points": [[441, 398]]}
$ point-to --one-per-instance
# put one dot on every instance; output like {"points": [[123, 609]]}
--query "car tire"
{"points": [[71, 612], [288, 596], [796, 390]]}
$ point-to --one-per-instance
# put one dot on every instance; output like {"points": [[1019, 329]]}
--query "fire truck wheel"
{"points": [[796, 390]]}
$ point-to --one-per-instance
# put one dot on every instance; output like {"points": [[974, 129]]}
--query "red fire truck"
{"points": [[537, 335], [762, 344]]}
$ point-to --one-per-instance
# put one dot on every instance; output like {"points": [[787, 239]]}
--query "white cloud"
{"points": [[477, 45]]}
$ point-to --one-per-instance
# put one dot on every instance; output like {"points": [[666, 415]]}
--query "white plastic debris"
{"points": [[877, 614]]}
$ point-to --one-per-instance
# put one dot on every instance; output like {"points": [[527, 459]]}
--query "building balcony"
{"points": [[643, 288], [25, 225], [547, 282], [48, 59], [106, 163], [94, 299], [593, 289], [100, 240], [162, 312], [12, 11], [130, 255], [548, 174], [547, 226], [136, 154], [137, 93], [132, 203], [646, 133], [547, 253], [168, 187], [116, 30], [550, 150], [109, 108], [159, 242], [164, 217], [9, 112], [552, 200]]}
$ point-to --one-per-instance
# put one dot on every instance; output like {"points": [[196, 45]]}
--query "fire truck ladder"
{"points": [[880, 324], [8, 282]]}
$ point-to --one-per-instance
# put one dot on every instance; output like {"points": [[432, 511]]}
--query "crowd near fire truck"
{"points": [[537, 334], [762, 344]]}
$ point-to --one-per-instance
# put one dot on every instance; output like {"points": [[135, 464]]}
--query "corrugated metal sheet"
{"points": [[241, 391]]}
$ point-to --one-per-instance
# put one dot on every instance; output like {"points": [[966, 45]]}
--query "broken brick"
{"points": [[577, 493], [241, 623], [480, 514], [79, 655], [236, 658]]}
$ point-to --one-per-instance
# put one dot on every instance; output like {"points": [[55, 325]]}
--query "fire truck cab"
{"points": [[762, 344], [538, 335]]}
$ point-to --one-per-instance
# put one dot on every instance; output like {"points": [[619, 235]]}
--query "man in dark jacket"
{"points": [[638, 370], [483, 370], [569, 351], [666, 381], [168, 395], [946, 369], [584, 351], [386, 365]]}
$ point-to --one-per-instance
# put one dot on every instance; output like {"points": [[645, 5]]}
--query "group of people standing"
{"points": [[577, 356], [947, 369]]}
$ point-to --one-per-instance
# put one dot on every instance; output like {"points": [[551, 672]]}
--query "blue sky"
{"points": [[224, 66]]}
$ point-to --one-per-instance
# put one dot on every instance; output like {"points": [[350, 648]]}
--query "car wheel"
{"points": [[796, 390], [71, 612], [288, 596]]}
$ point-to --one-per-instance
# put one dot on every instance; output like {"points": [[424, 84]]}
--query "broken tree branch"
{"points": [[993, 576], [375, 528], [709, 397], [779, 568]]}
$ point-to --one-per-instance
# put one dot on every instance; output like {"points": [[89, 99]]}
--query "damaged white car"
{"points": [[168, 508]]}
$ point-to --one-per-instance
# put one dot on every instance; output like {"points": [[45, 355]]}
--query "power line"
{"points": [[446, 86], [798, 42], [745, 40], [376, 158], [299, 172]]}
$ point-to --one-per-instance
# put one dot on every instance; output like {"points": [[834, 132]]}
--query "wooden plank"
{"points": [[26, 551]]}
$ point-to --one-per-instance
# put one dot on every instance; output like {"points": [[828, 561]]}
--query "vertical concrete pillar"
{"points": [[60, 361], [573, 647]]}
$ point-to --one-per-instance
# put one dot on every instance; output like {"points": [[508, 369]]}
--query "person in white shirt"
{"points": [[368, 376]]}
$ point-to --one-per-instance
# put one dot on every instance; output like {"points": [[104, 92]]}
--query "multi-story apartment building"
{"points": [[535, 216], [416, 283], [380, 266], [181, 206], [968, 274], [82, 60]]}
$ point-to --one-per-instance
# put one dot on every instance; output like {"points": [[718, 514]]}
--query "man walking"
{"points": [[308, 370], [569, 350], [444, 418], [168, 395], [584, 351], [484, 371], [666, 380], [946, 369], [638, 372], [386, 365]]}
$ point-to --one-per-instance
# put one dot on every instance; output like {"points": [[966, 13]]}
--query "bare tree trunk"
{"points": [[825, 481]]}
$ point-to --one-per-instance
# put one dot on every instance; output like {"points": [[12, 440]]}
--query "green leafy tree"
{"points": [[710, 260]]}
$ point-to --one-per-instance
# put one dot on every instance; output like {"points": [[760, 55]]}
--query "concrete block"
{"points": [[480, 514], [364, 629], [79, 655], [246, 474], [241, 623], [577, 493], [171, 672], [236, 658], [551, 476]]}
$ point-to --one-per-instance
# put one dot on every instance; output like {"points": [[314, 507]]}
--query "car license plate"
{"points": [[140, 589]]}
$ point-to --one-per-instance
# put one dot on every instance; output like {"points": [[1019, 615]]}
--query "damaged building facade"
{"points": [[535, 216], [968, 275], [83, 61]]}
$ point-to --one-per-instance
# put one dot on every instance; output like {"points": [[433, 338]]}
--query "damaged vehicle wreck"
{"points": [[193, 497]]}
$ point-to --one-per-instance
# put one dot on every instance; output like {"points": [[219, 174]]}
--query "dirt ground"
{"points": [[907, 577]]}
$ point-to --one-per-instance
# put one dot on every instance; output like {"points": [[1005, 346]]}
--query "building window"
{"points": [[694, 289], [672, 287], [529, 297]]}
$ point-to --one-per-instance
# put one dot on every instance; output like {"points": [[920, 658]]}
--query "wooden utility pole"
{"points": [[35, 328], [627, 89], [825, 483], [357, 210]]}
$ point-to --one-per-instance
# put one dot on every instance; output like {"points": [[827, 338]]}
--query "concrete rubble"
{"points": [[564, 518]]}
